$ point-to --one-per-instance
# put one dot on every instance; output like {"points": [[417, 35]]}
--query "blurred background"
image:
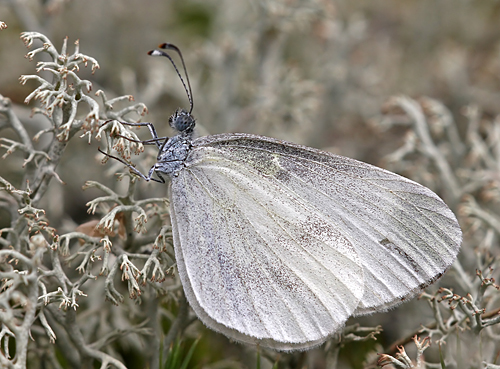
{"points": [[315, 72]]}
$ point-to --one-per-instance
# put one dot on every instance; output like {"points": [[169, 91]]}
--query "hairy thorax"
{"points": [[172, 156]]}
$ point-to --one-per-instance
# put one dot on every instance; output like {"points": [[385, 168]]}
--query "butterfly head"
{"points": [[182, 121]]}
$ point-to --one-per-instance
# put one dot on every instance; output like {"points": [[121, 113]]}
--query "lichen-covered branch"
{"points": [[47, 278]]}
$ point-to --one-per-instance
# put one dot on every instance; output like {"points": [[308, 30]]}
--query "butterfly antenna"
{"points": [[178, 51]]}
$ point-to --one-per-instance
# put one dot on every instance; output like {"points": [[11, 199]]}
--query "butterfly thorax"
{"points": [[171, 157]]}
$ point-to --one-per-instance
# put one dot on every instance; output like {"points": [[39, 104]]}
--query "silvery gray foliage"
{"points": [[465, 169], [40, 294]]}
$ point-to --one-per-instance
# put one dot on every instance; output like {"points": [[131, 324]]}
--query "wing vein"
{"points": [[260, 266]]}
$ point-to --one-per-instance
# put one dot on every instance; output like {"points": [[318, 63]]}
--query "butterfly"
{"points": [[278, 244]]}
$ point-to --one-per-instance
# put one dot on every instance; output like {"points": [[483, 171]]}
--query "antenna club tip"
{"points": [[169, 46], [155, 53]]}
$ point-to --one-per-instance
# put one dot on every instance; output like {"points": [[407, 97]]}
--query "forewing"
{"points": [[403, 233], [257, 261]]}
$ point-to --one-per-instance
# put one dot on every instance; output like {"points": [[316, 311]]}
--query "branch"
{"points": [[413, 109]]}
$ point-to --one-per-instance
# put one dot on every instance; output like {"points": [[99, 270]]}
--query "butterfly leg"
{"points": [[148, 178], [153, 170], [154, 141], [152, 130]]}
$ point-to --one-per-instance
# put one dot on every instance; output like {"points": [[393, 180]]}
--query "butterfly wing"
{"points": [[279, 244], [258, 263]]}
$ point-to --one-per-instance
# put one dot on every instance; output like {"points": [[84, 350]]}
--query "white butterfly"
{"points": [[279, 244]]}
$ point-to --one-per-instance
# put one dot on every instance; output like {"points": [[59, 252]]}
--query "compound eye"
{"points": [[182, 121]]}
